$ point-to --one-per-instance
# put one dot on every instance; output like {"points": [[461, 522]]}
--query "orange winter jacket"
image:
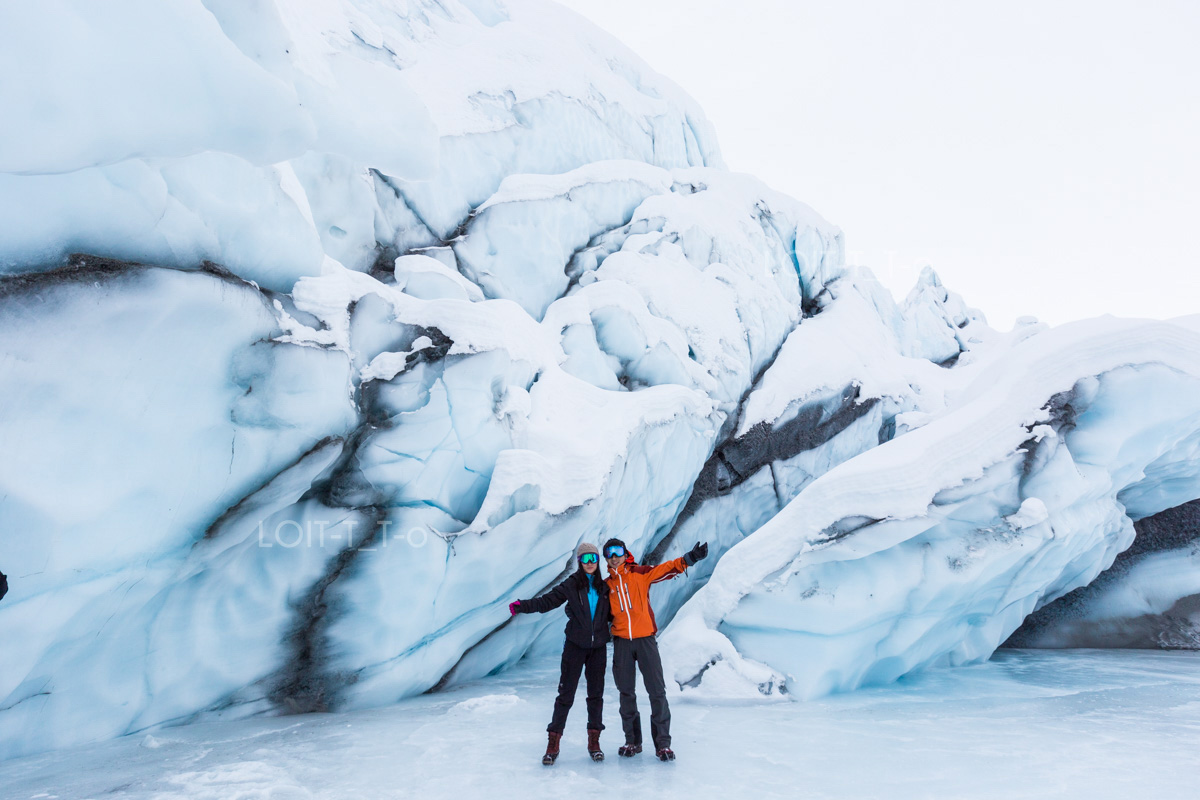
{"points": [[629, 596]]}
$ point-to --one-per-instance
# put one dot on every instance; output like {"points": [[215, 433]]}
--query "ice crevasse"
{"points": [[340, 325]]}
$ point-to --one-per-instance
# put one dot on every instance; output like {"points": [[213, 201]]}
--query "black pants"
{"points": [[576, 659], [644, 652]]}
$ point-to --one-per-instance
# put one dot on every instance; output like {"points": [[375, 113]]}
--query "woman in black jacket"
{"points": [[588, 617]]}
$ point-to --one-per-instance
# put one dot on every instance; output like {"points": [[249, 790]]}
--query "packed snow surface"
{"points": [[1071, 725]]}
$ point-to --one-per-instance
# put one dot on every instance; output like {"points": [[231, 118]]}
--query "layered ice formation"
{"points": [[934, 547], [338, 326]]}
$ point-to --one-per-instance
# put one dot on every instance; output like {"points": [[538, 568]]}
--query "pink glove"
{"points": [[513, 606]]}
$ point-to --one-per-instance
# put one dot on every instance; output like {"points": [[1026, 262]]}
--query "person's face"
{"points": [[591, 566], [615, 561]]}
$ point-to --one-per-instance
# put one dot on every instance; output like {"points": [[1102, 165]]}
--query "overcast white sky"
{"points": [[1043, 157]]}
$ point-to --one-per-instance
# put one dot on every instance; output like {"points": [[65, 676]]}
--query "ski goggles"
{"points": [[589, 558], [614, 551]]}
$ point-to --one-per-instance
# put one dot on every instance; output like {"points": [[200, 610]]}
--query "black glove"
{"points": [[695, 554]]}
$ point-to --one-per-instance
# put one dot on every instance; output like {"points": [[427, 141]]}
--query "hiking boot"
{"points": [[665, 754], [629, 750], [594, 745], [551, 748]]}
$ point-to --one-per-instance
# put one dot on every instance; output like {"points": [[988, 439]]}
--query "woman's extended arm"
{"points": [[544, 602]]}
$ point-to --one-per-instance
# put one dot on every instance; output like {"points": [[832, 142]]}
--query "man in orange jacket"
{"points": [[633, 630]]}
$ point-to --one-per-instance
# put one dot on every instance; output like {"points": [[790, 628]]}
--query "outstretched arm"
{"points": [[643, 569], [664, 570], [671, 568], [544, 602]]}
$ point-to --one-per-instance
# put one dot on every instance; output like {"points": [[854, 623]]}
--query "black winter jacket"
{"points": [[582, 629]]}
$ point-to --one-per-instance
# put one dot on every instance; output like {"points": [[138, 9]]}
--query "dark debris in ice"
{"points": [[1063, 623], [737, 459]]}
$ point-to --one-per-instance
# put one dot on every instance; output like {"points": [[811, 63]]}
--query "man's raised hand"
{"points": [[698, 552]]}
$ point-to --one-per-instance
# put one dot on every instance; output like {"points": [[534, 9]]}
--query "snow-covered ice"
{"points": [[933, 547], [1075, 725]]}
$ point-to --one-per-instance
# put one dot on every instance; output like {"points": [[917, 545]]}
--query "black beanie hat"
{"points": [[611, 542]]}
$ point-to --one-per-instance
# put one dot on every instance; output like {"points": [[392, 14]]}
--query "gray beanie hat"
{"points": [[587, 547]]}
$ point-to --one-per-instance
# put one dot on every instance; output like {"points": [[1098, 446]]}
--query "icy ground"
{"points": [[1073, 724]]}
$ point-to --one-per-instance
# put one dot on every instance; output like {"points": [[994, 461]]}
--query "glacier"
{"points": [[328, 339], [932, 548]]}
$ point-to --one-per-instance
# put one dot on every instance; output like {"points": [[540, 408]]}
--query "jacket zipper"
{"points": [[625, 603], [586, 590]]}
